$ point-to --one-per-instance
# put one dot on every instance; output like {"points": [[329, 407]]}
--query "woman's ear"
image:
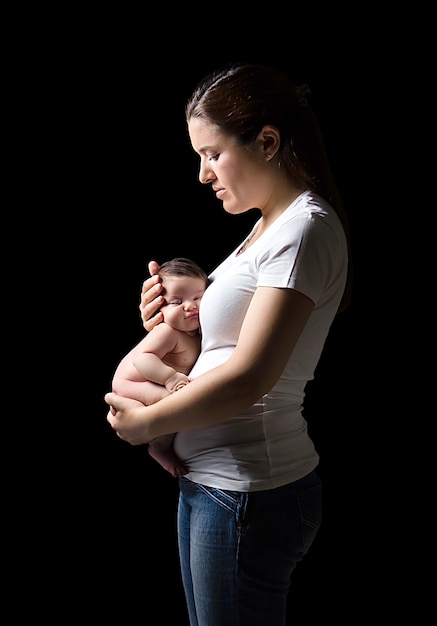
{"points": [[270, 139]]}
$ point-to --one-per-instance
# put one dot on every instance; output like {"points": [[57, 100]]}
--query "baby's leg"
{"points": [[161, 449], [144, 391]]}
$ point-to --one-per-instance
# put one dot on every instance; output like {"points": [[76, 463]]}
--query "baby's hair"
{"points": [[180, 266]]}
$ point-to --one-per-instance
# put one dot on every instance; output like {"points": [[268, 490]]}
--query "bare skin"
{"points": [[129, 382], [151, 299], [159, 364]]}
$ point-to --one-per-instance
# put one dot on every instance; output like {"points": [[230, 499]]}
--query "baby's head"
{"points": [[183, 285], [181, 266]]}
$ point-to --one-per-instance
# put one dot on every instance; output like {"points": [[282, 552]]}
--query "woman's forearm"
{"points": [[212, 398]]}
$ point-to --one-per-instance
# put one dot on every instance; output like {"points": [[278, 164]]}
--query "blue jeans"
{"points": [[238, 550]]}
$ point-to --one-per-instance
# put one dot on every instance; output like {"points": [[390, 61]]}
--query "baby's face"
{"points": [[182, 296]]}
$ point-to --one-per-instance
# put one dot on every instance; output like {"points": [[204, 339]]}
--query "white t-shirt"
{"points": [[268, 444]]}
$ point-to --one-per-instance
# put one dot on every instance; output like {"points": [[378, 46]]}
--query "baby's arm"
{"points": [[152, 368], [148, 361]]}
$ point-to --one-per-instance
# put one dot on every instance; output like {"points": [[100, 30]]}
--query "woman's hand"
{"points": [[151, 300], [126, 417]]}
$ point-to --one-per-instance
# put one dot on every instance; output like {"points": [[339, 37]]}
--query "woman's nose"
{"points": [[206, 175]]}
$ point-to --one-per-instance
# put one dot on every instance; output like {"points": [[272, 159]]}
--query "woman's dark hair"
{"points": [[243, 98]]}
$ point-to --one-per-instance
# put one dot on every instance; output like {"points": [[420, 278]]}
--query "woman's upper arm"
{"points": [[271, 328]]}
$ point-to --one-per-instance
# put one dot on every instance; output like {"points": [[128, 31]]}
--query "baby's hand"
{"points": [[176, 382], [180, 385]]}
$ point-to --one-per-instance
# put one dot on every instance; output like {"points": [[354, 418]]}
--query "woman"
{"points": [[250, 506]]}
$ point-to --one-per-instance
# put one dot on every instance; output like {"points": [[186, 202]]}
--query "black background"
{"points": [[125, 189]]}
